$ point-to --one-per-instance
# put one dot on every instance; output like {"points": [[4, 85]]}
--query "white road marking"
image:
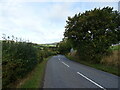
{"points": [[65, 64], [91, 81]]}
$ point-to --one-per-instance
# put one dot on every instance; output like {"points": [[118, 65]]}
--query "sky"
{"points": [[43, 21]]}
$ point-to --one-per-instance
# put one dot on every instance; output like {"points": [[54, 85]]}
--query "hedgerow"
{"points": [[18, 59]]}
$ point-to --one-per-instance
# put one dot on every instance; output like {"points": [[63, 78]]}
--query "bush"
{"points": [[64, 46], [19, 58]]}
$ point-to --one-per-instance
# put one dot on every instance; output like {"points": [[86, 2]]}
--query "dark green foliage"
{"points": [[93, 32], [64, 46], [19, 58]]}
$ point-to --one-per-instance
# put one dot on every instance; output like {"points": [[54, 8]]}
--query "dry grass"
{"points": [[108, 63], [113, 59]]}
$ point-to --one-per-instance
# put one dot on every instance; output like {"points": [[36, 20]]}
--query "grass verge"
{"points": [[106, 68], [35, 78]]}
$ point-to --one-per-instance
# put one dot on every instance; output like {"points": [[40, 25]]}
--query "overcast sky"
{"points": [[42, 21]]}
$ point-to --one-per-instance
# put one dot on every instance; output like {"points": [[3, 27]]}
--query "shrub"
{"points": [[19, 58]]}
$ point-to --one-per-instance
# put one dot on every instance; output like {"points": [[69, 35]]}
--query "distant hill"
{"points": [[49, 44], [55, 43]]}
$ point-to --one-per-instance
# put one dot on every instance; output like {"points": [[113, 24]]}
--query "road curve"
{"points": [[64, 73]]}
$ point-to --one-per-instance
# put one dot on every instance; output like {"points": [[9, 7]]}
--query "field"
{"points": [[117, 47]]}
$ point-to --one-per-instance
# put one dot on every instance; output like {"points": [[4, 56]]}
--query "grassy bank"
{"points": [[35, 78], [106, 68], [117, 47]]}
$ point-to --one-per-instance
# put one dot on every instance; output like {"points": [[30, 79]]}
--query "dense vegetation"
{"points": [[35, 78], [64, 47], [19, 58], [93, 32]]}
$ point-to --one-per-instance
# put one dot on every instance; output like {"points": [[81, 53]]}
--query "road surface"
{"points": [[64, 73]]}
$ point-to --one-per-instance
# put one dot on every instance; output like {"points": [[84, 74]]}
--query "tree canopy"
{"points": [[92, 32]]}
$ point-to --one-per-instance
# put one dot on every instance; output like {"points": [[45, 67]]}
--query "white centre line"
{"points": [[65, 64], [58, 58], [91, 81]]}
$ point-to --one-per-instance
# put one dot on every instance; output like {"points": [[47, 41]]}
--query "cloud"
{"points": [[62, 0], [40, 22], [21, 20]]}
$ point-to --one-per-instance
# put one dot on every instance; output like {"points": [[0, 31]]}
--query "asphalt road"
{"points": [[64, 73]]}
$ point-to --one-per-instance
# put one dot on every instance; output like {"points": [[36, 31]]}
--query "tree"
{"points": [[64, 46], [93, 32]]}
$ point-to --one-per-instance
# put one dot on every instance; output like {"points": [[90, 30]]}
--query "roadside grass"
{"points": [[106, 68], [113, 59], [35, 78]]}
